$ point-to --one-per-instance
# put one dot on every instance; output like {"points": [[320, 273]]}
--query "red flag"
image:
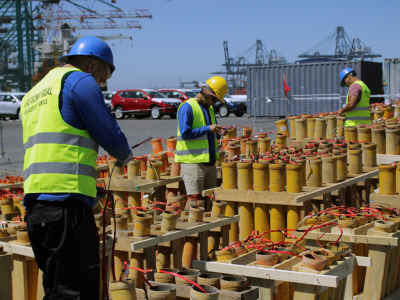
{"points": [[285, 86]]}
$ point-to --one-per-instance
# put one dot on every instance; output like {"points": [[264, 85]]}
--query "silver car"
{"points": [[10, 104], [107, 99]]}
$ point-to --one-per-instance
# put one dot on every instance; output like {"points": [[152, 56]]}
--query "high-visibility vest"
{"points": [[196, 150], [58, 157], [359, 114]]}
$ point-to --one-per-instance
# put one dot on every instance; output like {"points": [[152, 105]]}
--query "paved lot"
{"points": [[135, 131]]}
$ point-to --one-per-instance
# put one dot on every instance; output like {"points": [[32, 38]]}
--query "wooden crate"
{"points": [[382, 248], [308, 285]]}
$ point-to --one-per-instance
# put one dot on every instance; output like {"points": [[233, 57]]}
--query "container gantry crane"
{"points": [[235, 68], [30, 35], [345, 48]]}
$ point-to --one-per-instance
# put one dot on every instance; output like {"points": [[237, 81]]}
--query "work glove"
{"points": [[122, 163], [101, 193]]}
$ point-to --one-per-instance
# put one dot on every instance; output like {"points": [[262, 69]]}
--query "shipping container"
{"points": [[306, 79], [392, 75]]}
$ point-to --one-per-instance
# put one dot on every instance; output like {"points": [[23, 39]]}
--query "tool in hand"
{"points": [[145, 141]]}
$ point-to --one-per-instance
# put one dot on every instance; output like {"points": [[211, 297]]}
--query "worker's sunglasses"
{"points": [[108, 68]]}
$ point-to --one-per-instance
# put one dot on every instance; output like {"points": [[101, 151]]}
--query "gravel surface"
{"points": [[135, 131]]}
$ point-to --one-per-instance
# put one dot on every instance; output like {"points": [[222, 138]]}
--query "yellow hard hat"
{"points": [[218, 86]]}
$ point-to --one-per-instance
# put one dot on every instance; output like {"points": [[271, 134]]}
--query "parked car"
{"points": [[142, 103], [239, 97], [10, 104], [107, 99], [181, 94], [236, 106]]}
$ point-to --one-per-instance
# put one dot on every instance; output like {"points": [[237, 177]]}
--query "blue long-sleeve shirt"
{"points": [[185, 116], [82, 106]]}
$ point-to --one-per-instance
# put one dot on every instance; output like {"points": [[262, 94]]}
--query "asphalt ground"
{"points": [[135, 131]]}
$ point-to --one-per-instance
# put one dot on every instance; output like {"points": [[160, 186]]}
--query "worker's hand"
{"points": [[22, 226], [340, 111], [122, 163], [215, 128], [222, 132], [100, 195]]}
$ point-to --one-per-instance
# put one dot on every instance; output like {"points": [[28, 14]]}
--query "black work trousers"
{"points": [[64, 241]]}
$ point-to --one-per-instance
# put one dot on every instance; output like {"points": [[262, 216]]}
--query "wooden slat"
{"points": [[264, 273], [386, 158], [250, 196], [363, 239], [183, 233], [28, 252], [337, 186], [184, 291], [6, 268]]}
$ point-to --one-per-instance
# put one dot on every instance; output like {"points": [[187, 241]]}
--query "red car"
{"points": [[142, 103], [180, 94]]}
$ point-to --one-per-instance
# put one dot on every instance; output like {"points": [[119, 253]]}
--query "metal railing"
{"points": [[315, 103], [265, 108]]}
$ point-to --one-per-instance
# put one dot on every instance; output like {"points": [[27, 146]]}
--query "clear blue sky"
{"points": [[184, 38]]}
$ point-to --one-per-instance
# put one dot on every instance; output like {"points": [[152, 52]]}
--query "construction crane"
{"points": [[235, 68], [194, 82], [90, 14], [97, 25], [344, 48], [31, 35]]}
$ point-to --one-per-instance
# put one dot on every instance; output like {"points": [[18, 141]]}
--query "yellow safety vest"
{"points": [[360, 114], [58, 158], [196, 150]]}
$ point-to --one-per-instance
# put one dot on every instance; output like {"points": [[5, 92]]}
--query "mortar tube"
{"points": [[245, 176], [320, 128], [163, 258], [314, 170], [331, 127], [277, 221], [329, 169], [243, 144], [261, 219], [251, 148], [246, 222], [293, 126], [213, 244], [261, 176], [364, 134], [392, 141], [293, 216], [233, 151], [378, 137], [229, 175], [340, 126], [355, 161], [282, 127], [230, 211], [301, 129], [133, 168], [157, 146], [189, 252], [369, 151], [387, 179], [277, 177], [310, 127], [397, 164], [341, 166], [302, 162], [378, 114], [280, 139], [350, 134], [264, 144], [294, 180]]}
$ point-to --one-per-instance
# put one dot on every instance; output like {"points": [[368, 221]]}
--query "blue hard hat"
{"points": [[91, 46], [343, 74]]}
